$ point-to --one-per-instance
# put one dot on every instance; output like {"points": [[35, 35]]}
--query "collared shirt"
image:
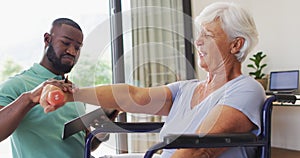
{"points": [[39, 135]]}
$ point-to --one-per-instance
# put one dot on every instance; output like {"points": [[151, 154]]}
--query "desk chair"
{"points": [[263, 141]]}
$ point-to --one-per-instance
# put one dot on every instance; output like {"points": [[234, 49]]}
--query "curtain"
{"points": [[156, 54]]}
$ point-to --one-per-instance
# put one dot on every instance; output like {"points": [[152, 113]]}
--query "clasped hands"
{"points": [[53, 94]]}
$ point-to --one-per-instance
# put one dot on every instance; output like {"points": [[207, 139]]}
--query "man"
{"points": [[227, 101], [35, 134]]}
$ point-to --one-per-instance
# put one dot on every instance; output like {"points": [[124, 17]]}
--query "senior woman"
{"points": [[226, 101]]}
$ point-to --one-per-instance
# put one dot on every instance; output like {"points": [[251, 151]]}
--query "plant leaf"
{"points": [[264, 65], [250, 65]]}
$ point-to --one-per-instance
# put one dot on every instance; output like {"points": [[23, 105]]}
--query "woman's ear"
{"points": [[237, 44], [47, 39]]}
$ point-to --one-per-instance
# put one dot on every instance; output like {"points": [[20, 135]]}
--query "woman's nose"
{"points": [[198, 42]]}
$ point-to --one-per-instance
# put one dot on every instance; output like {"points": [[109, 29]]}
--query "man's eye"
{"points": [[77, 48], [66, 43]]}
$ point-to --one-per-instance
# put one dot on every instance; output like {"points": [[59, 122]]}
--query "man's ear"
{"points": [[47, 39], [237, 44]]}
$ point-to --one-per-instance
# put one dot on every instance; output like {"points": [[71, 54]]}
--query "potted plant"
{"points": [[258, 66]]}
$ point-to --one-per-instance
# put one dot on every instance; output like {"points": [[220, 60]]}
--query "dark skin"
{"points": [[66, 42]]}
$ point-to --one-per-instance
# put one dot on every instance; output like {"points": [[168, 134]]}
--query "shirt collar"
{"points": [[44, 72]]}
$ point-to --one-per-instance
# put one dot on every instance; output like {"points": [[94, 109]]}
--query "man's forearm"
{"points": [[12, 114]]}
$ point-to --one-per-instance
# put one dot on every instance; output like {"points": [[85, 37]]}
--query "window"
{"points": [[23, 24], [149, 39], [153, 48]]}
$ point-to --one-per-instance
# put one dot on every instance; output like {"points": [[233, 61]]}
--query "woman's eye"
{"points": [[208, 35]]}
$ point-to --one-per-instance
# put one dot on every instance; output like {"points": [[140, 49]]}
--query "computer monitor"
{"points": [[284, 81]]}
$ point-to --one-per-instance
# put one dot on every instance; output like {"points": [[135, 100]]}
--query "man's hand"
{"points": [[52, 94], [35, 94], [52, 98]]}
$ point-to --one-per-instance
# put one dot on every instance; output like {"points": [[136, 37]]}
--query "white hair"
{"points": [[236, 22]]}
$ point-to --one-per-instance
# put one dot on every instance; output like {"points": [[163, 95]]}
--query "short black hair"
{"points": [[66, 21]]}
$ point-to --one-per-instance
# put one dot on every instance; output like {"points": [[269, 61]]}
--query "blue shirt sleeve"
{"points": [[174, 87], [248, 97]]}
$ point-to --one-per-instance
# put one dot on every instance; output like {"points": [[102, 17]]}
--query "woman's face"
{"points": [[213, 46]]}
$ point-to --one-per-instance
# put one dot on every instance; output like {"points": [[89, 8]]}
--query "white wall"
{"points": [[278, 24]]}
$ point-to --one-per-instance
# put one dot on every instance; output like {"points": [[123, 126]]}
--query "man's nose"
{"points": [[71, 50]]}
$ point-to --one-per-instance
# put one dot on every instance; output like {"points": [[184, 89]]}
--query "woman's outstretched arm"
{"points": [[124, 97]]}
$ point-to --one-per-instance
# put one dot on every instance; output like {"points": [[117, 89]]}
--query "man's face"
{"points": [[64, 48], [57, 60]]}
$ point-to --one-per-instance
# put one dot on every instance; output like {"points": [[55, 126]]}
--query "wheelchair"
{"points": [[174, 141]]}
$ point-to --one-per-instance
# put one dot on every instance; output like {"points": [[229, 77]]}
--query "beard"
{"points": [[56, 61]]}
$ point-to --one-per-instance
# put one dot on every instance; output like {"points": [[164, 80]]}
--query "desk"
{"points": [[286, 126]]}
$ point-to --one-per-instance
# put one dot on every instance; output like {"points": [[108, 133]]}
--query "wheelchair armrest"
{"points": [[121, 127], [89, 119], [175, 141], [129, 127], [209, 140]]}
